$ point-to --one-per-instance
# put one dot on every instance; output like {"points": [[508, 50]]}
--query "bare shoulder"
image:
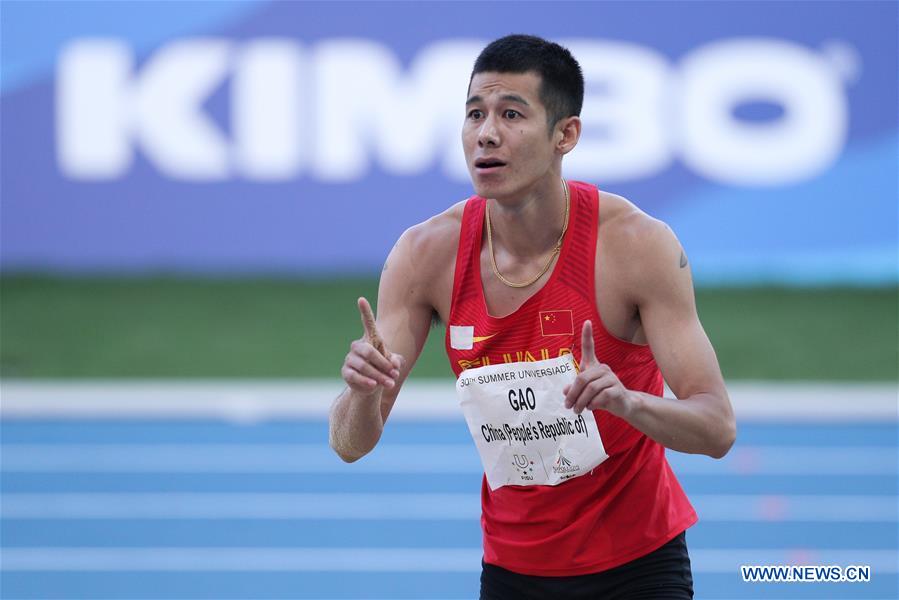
{"points": [[629, 232], [423, 261], [438, 234], [640, 254], [435, 239]]}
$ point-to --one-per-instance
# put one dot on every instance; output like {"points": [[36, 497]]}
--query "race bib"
{"points": [[516, 414]]}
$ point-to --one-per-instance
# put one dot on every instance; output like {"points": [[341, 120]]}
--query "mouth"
{"points": [[488, 165]]}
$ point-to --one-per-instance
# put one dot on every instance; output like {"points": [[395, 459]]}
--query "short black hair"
{"points": [[561, 78]]}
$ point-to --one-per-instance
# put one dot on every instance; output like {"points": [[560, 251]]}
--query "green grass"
{"points": [[167, 327]]}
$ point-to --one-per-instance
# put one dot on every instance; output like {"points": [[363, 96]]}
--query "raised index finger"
{"points": [[371, 330], [588, 353]]}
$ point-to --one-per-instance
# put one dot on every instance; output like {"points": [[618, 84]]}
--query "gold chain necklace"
{"points": [[556, 250]]}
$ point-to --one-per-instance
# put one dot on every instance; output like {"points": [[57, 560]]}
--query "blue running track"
{"points": [[108, 508]]}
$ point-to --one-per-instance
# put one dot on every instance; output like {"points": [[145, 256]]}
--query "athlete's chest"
{"points": [[618, 314], [502, 300]]}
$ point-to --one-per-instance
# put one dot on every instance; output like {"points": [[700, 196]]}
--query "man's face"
{"points": [[505, 137]]}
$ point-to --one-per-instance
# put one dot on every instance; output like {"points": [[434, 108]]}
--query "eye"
{"points": [[474, 114], [512, 114]]}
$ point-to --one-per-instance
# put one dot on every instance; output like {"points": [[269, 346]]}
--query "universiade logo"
{"points": [[333, 109], [564, 466]]}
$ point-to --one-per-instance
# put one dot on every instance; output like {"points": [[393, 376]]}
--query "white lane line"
{"points": [[410, 458], [796, 508], [791, 460], [385, 559], [234, 400], [242, 559], [242, 506], [411, 507], [237, 458], [253, 400]]}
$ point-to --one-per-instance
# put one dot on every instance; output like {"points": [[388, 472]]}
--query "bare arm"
{"points": [[701, 419], [374, 376]]}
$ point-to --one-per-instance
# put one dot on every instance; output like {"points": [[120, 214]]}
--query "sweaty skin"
{"points": [[644, 289]]}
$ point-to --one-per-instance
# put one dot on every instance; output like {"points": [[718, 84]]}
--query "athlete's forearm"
{"points": [[355, 424], [697, 425]]}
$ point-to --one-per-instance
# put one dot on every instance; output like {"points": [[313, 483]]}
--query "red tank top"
{"points": [[629, 505]]}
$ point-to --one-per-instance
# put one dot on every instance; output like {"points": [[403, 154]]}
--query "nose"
{"points": [[488, 134]]}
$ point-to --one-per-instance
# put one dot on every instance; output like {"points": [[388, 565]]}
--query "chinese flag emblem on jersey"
{"points": [[556, 322]]}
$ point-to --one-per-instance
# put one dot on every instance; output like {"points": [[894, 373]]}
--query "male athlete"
{"points": [[566, 308]]}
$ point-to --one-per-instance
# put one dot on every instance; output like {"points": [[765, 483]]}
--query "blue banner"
{"points": [[304, 137]]}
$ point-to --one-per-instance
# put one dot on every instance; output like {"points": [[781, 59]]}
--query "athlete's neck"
{"points": [[529, 225]]}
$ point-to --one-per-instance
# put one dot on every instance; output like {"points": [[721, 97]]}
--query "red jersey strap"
{"points": [[469, 244], [577, 270]]}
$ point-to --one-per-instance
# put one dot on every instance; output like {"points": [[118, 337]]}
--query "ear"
{"points": [[568, 132]]}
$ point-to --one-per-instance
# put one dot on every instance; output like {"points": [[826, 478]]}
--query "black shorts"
{"points": [[663, 574]]}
